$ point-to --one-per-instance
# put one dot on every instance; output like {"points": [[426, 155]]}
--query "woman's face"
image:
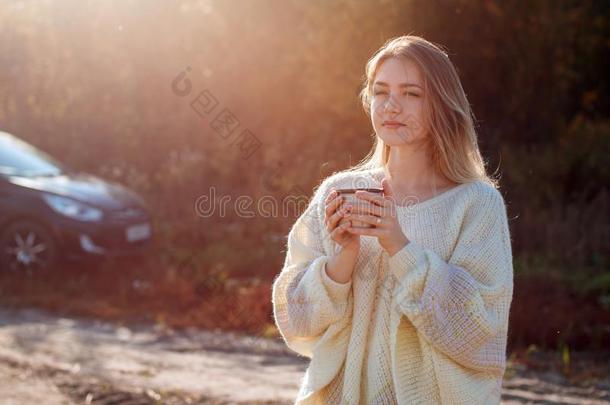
{"points": [[397, 106]]}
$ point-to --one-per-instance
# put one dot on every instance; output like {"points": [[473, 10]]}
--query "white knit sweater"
{"points": [[427, 325]]}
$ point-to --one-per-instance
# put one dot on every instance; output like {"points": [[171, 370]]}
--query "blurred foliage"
{"points": [[91, 83]]}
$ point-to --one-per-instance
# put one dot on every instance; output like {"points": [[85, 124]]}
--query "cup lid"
{"points": [[353, 190]]}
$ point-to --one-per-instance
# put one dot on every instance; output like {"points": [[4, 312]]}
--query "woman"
{"points": [[413, 309]]}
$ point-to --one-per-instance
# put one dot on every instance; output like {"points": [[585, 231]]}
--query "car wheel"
{"points": [[25, 246]]}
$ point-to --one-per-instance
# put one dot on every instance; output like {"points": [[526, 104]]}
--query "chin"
{"points": [[394, 139]]}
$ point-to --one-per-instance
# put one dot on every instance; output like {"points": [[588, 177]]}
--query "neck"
{"points": [[410, 169]]}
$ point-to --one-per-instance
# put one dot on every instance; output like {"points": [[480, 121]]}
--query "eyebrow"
{"points": [[384, 84]]}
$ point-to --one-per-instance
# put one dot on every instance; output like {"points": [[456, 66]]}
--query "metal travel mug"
{"points": [[357, 203]]}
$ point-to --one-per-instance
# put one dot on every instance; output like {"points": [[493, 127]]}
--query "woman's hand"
{"points": [[340, 266], [334, 213], [382, 214]]}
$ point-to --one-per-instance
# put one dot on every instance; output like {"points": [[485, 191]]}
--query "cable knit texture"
{"points": [[427, 325]]}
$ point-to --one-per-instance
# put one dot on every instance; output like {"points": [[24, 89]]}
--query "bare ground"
{"points": [[53, 360]]}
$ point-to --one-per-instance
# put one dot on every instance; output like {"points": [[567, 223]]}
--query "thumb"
{"points": [[387, 189]]}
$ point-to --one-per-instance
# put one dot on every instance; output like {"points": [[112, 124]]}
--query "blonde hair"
{"points": [[453, 146]]}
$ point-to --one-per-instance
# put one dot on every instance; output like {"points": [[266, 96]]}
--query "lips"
{"points": [[393, 124]]}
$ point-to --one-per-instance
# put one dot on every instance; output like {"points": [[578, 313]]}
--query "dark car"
{"points": [[49, 212]]}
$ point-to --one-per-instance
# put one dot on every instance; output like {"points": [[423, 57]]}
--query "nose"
{"points": [[392, 105]]}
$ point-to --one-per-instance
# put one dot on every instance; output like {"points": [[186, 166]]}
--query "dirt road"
{"points": [[53, 360]]}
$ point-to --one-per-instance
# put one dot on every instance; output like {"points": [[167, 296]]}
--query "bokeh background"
{"points": [[94, 84]]}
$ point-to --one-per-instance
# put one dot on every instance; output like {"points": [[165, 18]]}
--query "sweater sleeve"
{"points": [[461, 307], [306, 301]]}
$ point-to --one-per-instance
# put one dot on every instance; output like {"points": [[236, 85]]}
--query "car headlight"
{"points": [[73, 209]]}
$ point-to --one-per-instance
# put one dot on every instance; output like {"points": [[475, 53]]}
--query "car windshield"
{"points": [[18, 158]]}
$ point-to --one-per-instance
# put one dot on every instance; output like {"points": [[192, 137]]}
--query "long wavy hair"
{"points": [[453, 148]]}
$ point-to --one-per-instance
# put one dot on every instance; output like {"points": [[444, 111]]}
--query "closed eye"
{"points": [[409, 93]]}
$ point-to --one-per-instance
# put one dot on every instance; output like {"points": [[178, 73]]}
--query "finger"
{"points": [[368, 219], [368, 231], [369, 209], [340, 230], [332, 205], [336, 217], [329, 197], [373, 198]]}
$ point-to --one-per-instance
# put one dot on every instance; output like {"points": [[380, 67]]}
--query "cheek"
{"points": [[415, 105], [375, 104], [375, 113], [416, 110]]}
